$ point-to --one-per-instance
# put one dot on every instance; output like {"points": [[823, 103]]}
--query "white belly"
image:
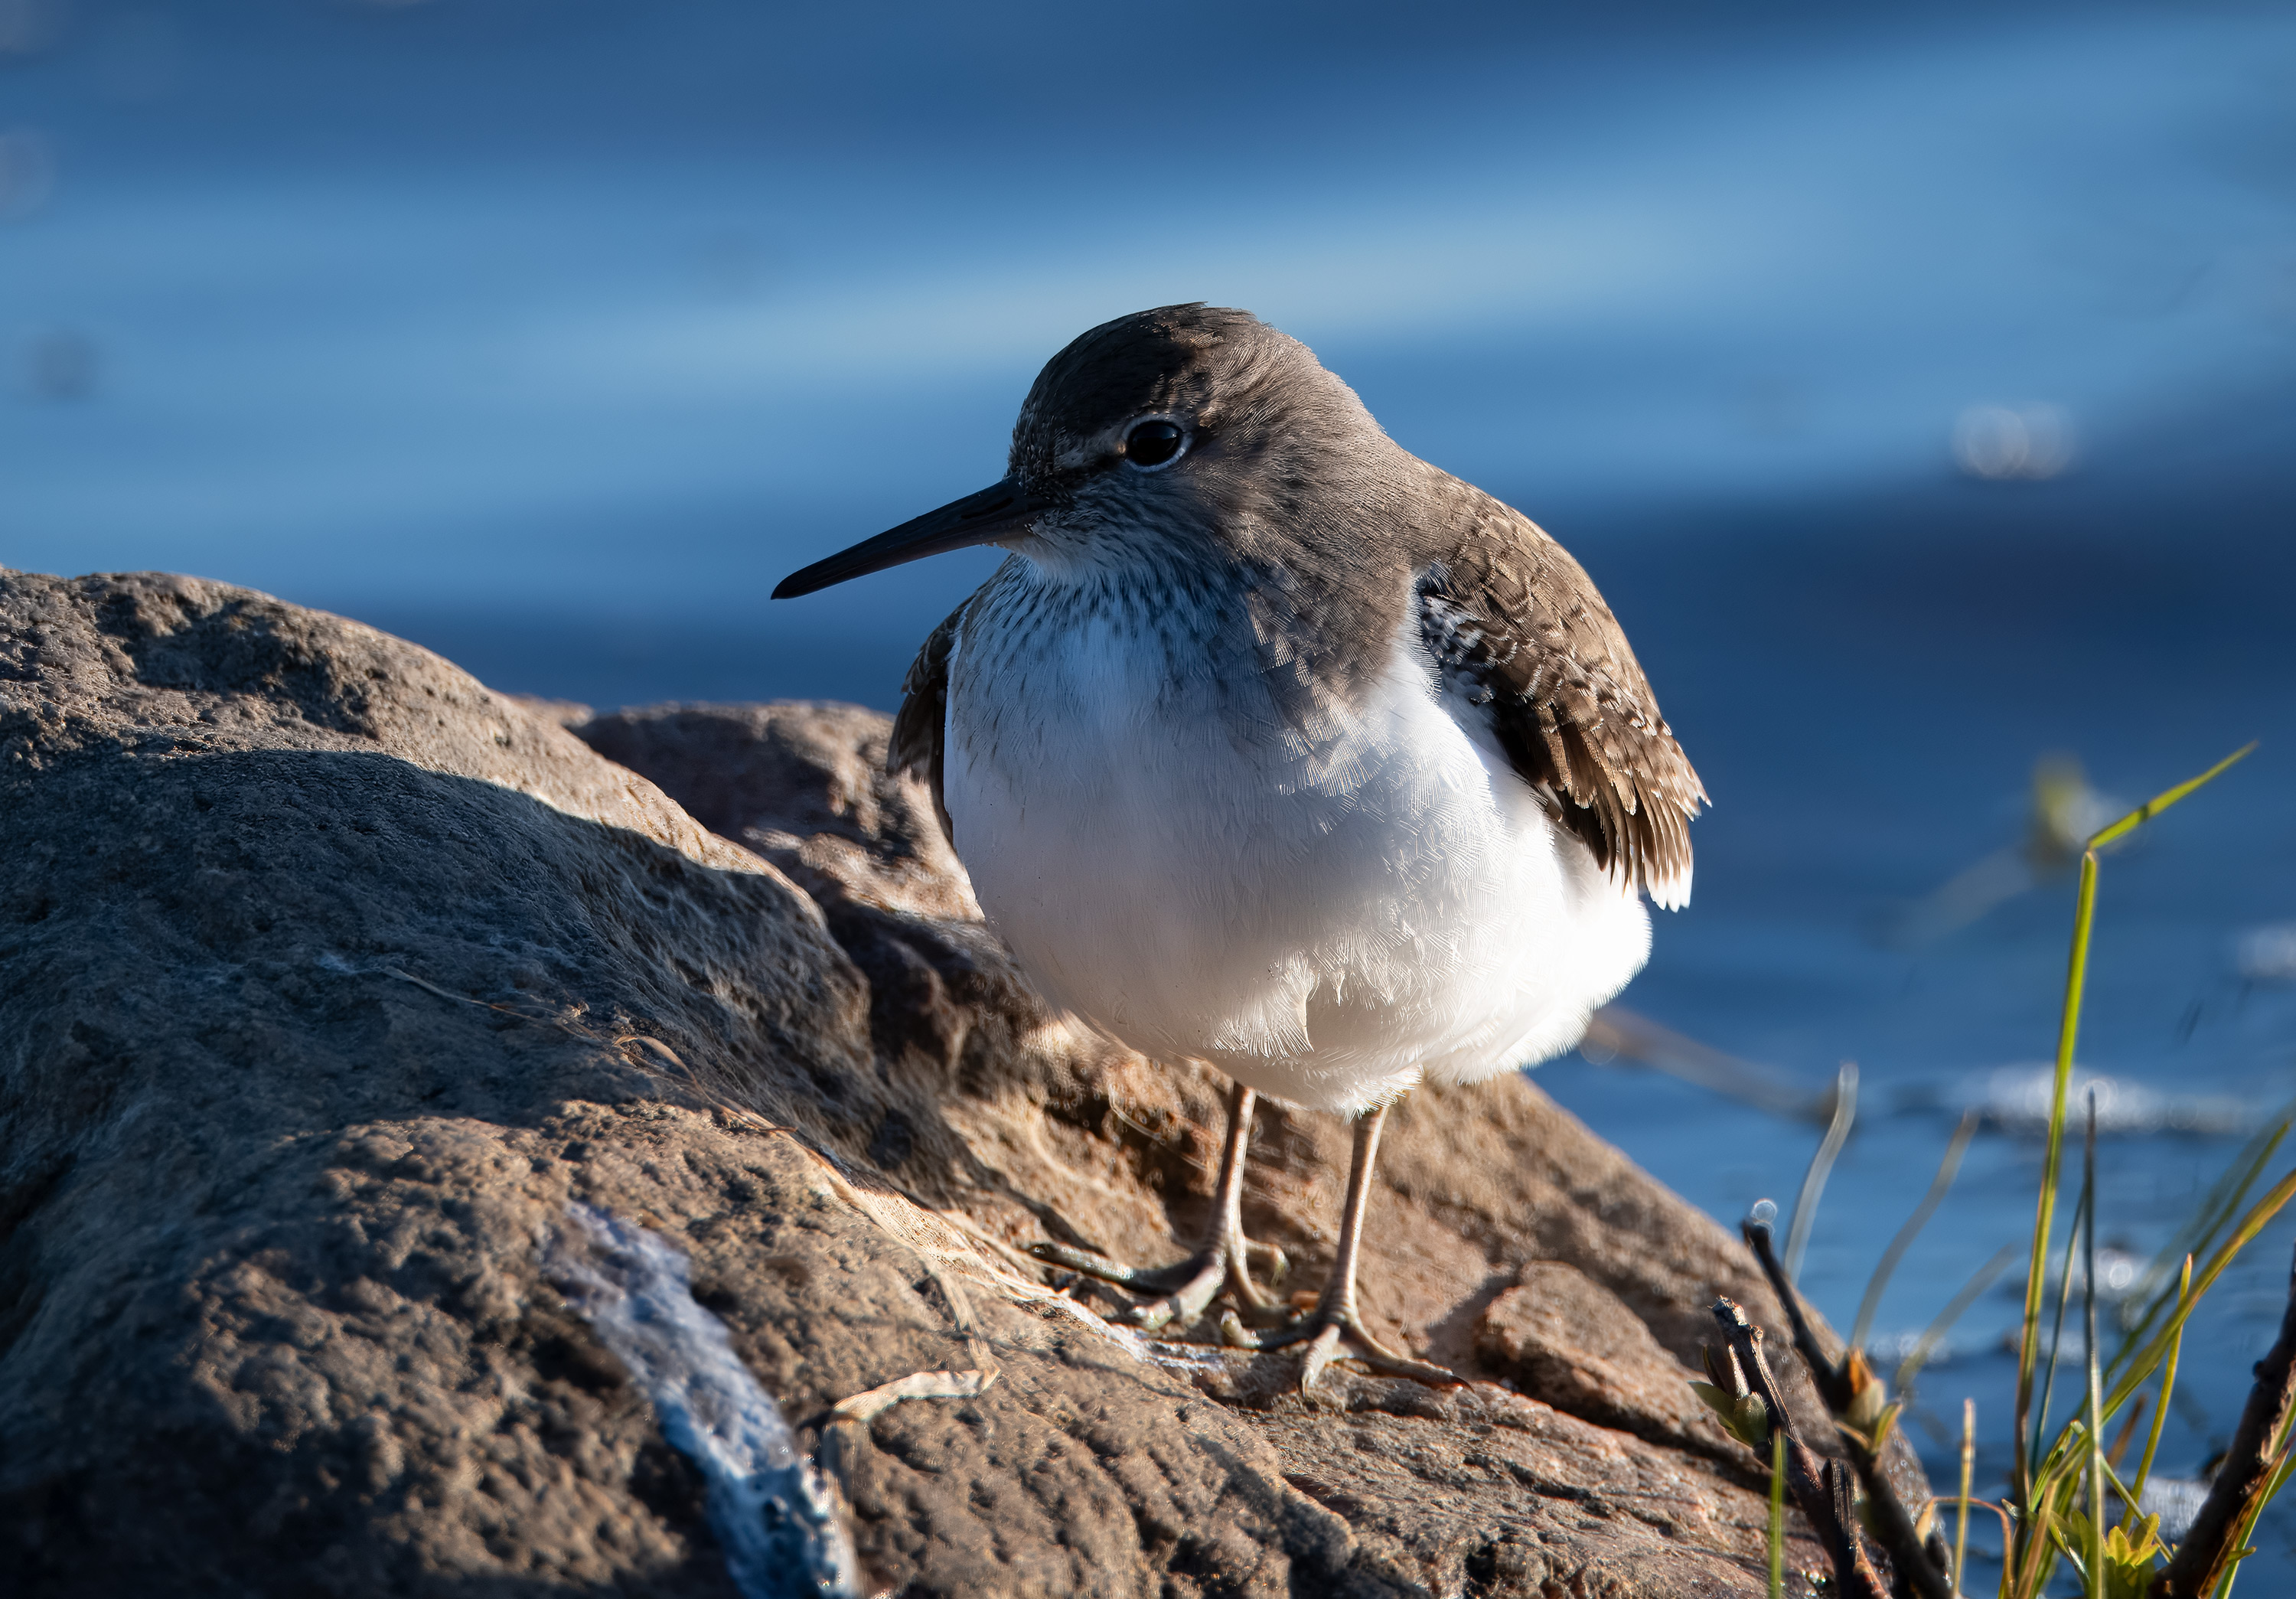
{"points": [[1324, 922]]}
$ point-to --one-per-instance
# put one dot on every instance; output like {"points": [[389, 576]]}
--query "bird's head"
{"points": [[1183, 435]]}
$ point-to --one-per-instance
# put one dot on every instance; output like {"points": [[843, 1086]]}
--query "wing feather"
{"points": [[920, 726], [1517, 628]]}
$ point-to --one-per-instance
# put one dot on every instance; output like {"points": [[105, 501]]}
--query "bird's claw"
{"points": [[1183, 1291], [1336, 1335]]}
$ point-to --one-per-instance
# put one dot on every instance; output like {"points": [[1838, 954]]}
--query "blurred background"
{"points": [[1919, 384]]}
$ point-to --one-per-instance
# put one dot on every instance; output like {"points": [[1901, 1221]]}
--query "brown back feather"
{"points": [[1516, 625]]}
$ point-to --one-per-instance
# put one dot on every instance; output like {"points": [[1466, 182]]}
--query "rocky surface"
{"points": [[329, 979]]}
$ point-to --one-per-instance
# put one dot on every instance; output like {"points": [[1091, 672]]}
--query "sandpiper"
{"points": [[1272, 746]]}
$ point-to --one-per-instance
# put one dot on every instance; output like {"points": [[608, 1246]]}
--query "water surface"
{"points": [[552, 335]]}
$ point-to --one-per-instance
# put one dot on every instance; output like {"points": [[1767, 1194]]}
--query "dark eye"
{"points": [[1152, 443]]}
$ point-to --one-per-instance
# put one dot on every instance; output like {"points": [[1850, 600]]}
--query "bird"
{"points": [[1271, 746]]}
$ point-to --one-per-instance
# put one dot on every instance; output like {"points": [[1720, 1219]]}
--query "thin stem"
{"points": [[1778, 1512], [1947, 1169], [2096, 1374], [1968, 1469], [2044, 1208], [1833, 1385], [2057, 1333], [1982, 1279], [2135, 1419], [2168, 1387], [1821, 1165]]}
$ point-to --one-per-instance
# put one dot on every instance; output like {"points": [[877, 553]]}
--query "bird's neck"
{"points": [[1315, 644]]}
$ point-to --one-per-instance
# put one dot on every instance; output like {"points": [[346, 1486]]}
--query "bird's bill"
{"points": [[997, 511]]}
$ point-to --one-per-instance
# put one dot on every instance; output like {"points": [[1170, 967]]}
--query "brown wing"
{"points": [[920, 727], [1519, 631]]}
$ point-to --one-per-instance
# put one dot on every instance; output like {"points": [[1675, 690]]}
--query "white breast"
{"points": [[1324, 919]]}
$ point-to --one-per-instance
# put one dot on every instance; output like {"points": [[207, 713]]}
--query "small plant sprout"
{"points": [[1741, 1411]]}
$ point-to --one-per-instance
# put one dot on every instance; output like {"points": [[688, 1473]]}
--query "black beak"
{"points": [[995, 513]]}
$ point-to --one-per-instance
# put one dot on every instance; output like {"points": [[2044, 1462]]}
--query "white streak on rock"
{"points": [[774, 1515]]}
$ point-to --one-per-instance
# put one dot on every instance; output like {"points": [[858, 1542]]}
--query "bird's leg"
{"points": [[1335, 1319], [1186, 1289]]}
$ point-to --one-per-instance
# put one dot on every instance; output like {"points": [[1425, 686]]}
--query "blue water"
{"points": [[551, 333]]}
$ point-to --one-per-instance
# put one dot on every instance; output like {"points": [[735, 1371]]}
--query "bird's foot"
{"points": [[1334, 1334], [1181, 1292]]}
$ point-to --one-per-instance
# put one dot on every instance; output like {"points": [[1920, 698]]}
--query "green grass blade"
{"points": [[2161, 1407], [2147, 1360], [2224, 1201], [1968, 1470], [2057, 1333], [2271, 1489], [2154, 807], [2096, 1507], [2022, 1465], [1778, 1512], [2045, 1206]]}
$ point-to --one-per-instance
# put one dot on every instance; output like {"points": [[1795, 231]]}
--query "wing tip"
{"points": [[1671, 892]]}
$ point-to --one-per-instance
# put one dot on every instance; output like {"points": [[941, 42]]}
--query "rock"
{"points": [[330, 978], [1571, 1343]]}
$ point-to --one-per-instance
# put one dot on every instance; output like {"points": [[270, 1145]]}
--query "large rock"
{"points": [[329, 980]]}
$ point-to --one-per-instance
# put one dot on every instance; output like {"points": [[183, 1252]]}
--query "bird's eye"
{"points": [[1154, 443]]}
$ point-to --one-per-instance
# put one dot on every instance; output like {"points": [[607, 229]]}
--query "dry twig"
{"points": [[1843, 1386], [1821, 1487]]}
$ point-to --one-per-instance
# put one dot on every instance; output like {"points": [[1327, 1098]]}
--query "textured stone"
{"points": [[1564, 1339], [328, 977]]}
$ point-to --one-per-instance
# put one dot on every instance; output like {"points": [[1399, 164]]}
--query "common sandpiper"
{"points": [[1272, 746]]}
